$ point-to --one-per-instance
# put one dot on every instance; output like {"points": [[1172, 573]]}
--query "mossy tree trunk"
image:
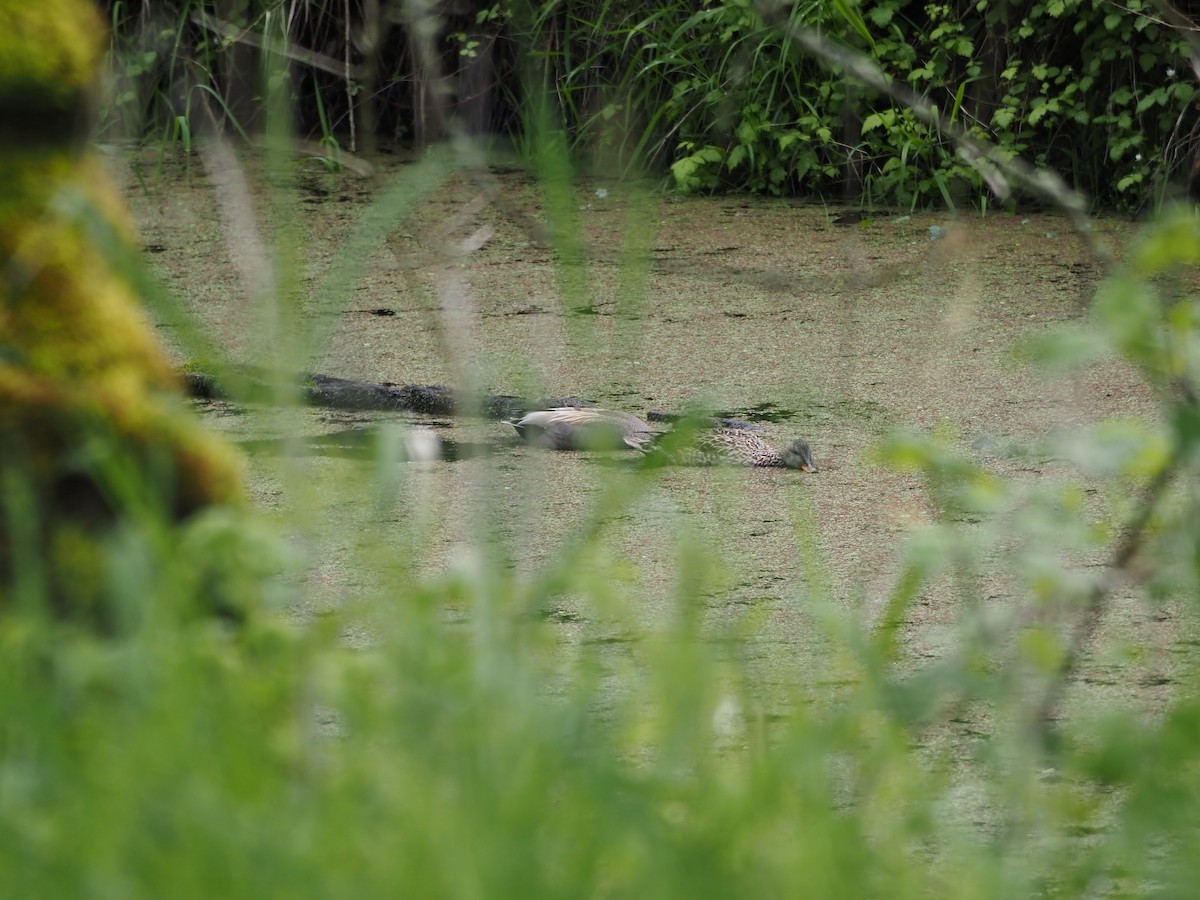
{"points": [[93, 432]]}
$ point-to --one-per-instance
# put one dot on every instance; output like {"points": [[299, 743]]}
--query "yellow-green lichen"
{"points": [[49, 52], [90, 412]]}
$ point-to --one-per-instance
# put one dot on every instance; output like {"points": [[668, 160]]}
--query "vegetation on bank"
{"points": [[706, 95]]}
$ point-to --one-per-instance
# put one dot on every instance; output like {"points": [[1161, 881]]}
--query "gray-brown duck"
{"points": [[583, 428]]}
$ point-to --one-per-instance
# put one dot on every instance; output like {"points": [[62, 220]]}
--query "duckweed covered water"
{"points": [[756, 308]]}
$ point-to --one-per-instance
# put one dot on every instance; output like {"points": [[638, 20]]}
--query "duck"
{"points": [[583, 428], [591, 428], [737, 446]]}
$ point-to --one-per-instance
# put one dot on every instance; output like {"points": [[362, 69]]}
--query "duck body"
{"points": [[583, 428], [736, 446], [590, 428]]}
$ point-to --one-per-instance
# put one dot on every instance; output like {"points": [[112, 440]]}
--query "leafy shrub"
{"points": [[1101, 93]]}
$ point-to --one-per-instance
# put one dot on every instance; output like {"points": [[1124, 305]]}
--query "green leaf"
{"points": [[1173, 242], [1115, 447], [1042, 649], [848, 10], [1129, 313], [1064, 348], [683, 169], [1155, 97], [881, 15], [871, 122], [1115, 750], [1185, 422]]}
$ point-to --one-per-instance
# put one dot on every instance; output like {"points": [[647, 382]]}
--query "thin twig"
{"points": [[1085, 628], [291, 51]]}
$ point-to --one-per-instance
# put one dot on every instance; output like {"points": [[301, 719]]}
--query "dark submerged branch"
{"points": [[425, 399], [345, 393]]}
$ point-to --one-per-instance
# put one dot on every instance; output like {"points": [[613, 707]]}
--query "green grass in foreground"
{"points": [[481, 754]]}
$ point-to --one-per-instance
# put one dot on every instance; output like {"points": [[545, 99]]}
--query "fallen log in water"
{"points": [[345, 393], [427, 399]]}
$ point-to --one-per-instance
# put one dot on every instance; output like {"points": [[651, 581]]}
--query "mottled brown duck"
{"points": [[590, 428], [736, 446]]}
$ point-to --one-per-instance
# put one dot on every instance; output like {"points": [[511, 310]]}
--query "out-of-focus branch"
{"points": [[1085, 628], [231, 32]]}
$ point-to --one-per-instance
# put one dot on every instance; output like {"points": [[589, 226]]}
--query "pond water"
{"points": [[763, 309]]}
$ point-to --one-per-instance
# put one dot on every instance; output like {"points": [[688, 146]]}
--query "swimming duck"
{"points": [[583, 428], [718, 446], [590, 428]]}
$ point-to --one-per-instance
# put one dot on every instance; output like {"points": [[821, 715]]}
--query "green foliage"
{"points": [[693, 81], [152, 80], [1114, 108], [1101, 93]]}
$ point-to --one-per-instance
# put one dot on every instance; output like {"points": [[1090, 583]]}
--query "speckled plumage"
{"points": [[724, 446], [589, 428]]}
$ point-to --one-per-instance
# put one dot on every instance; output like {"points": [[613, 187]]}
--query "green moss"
{"points": [[86, 392], [49, 53]]}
